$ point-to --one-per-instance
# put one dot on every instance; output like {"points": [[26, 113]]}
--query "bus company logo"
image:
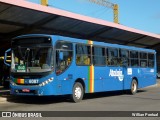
{"points": [[116, 73]]}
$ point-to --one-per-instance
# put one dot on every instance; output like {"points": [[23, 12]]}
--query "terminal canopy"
{"points": [[19, 17]]}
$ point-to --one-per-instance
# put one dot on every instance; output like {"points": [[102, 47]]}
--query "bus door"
{"points": [[64, 69]]}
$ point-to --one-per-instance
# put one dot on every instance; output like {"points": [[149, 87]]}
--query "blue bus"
{"points": [[43, 65]]}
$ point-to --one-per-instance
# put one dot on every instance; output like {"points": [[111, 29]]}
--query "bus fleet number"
{"points": [[33, 81]]}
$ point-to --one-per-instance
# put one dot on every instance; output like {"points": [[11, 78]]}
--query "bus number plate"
{"points": [[33, 81]]}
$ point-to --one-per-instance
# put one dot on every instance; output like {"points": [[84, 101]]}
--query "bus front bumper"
{"points": [[33, 90]]}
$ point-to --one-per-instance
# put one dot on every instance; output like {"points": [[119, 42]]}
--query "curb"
{"points": [[2, 99]]}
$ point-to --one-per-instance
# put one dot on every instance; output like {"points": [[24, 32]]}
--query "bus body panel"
{"points": [[114, 79], [147, 77], [99, 78], [66, 80], [95, 78]]}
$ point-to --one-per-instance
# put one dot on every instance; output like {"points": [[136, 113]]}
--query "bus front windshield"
{"points": [[32, 59]]}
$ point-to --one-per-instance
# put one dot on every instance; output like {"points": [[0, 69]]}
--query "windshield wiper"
{"points": [[27, 53], [20, 52]]}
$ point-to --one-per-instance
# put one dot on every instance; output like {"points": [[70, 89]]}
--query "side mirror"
{"points": [[5, 57], [61, 55]]}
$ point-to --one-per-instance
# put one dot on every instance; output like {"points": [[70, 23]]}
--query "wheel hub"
{"points": [[78, 92]]}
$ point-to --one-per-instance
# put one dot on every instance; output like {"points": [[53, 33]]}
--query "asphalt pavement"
{"points": [[146, 99]]}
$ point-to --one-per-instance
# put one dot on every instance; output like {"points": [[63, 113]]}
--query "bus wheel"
{"points": [[77, 93], [134, 87]]}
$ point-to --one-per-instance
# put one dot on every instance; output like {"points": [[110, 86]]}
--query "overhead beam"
{"points": [[62, 32], [154, 46], [120, 41], [108, 39], [13, 23], [133, 40], [98, 32], [32, 26]]}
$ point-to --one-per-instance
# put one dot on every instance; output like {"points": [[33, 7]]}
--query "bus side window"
{"points": [[124, 55], [98, 55], [64, 55], [143, 59], [113, 56], [134, 59], [150, 60], [83, 54]]}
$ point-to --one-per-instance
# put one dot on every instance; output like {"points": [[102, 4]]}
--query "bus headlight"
{"points": [[12, 83], [46, 82]]}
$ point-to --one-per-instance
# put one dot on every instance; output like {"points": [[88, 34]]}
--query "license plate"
{"points": [[25, 90]]}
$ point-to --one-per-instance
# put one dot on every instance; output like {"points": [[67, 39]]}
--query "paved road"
{"points": [[147, 99]]}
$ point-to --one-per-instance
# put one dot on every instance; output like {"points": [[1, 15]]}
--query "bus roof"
{"points": [[104, 44], [76, 40]]}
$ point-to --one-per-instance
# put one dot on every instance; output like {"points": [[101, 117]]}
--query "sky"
{"points": [[139, 14]]}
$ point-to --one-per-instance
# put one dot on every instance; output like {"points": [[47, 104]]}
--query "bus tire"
{"points": [[77, 92], [134, 87]]}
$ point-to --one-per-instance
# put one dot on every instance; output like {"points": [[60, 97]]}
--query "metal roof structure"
{"points": [[22, 17]]}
